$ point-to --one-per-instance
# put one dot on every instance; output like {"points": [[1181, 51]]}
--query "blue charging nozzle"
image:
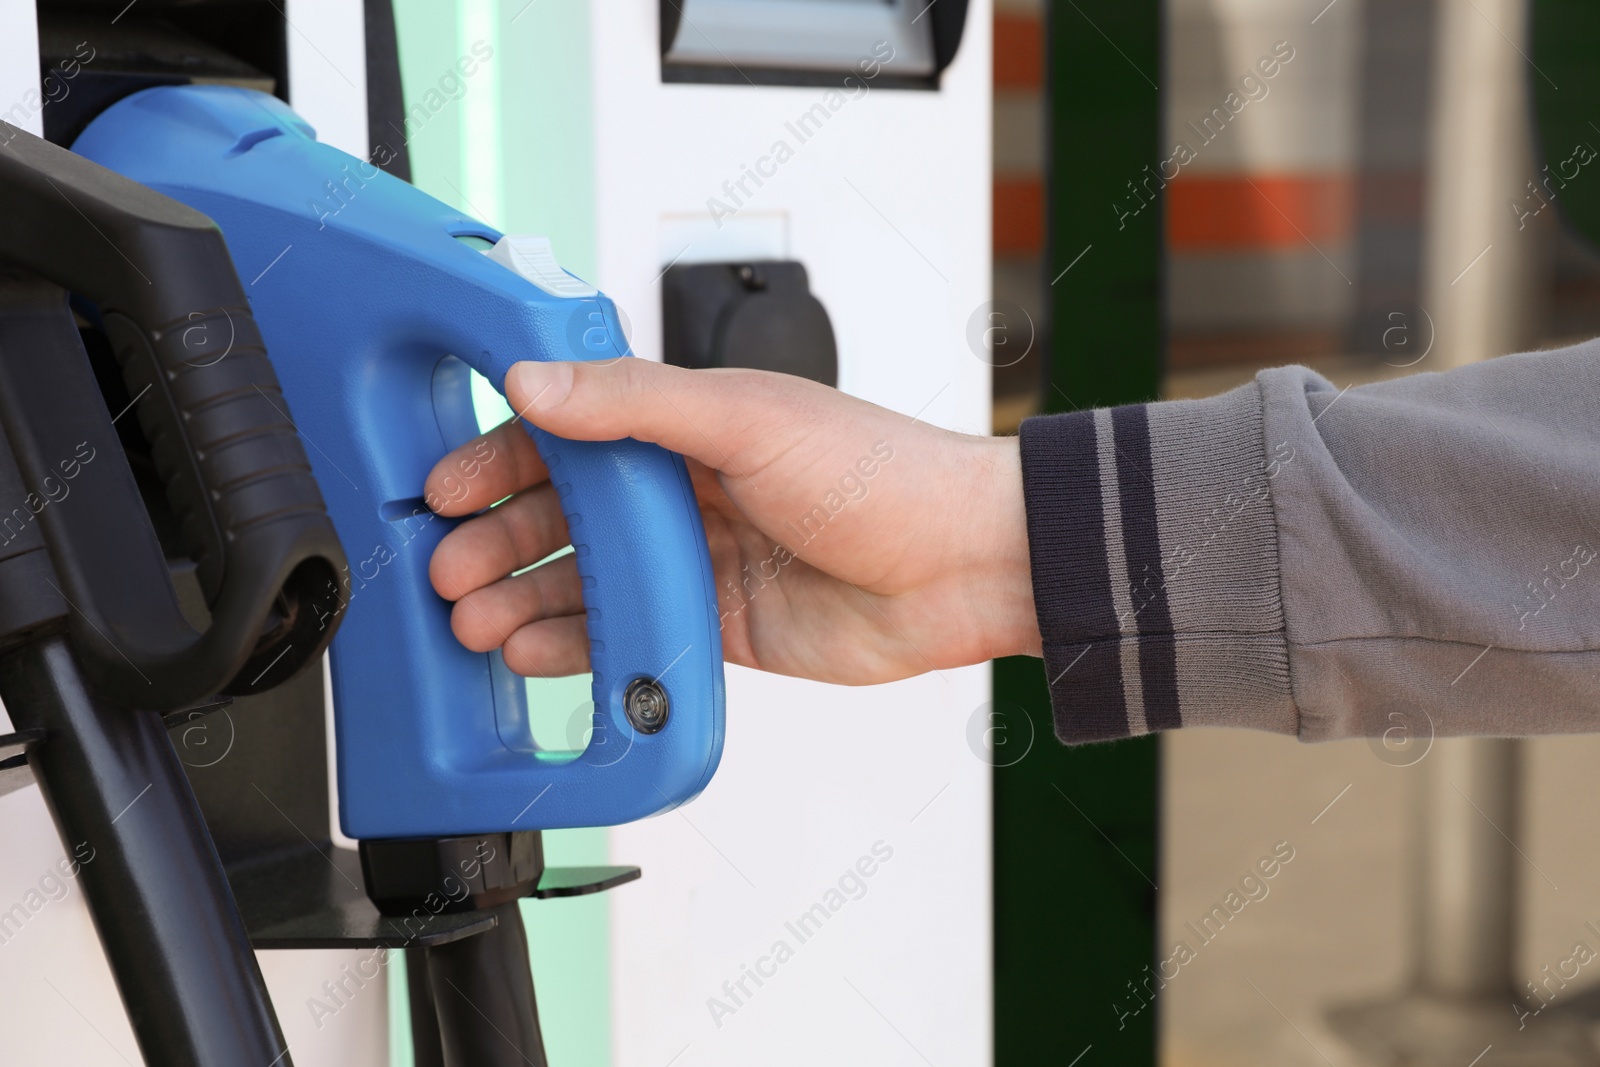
{"points": [[374, 302]]}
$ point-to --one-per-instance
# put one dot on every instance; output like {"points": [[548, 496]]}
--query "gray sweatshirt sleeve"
{"points": [[1296, 558]]}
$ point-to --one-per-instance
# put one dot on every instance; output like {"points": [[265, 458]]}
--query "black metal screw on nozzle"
{"points": [[646, 705]]}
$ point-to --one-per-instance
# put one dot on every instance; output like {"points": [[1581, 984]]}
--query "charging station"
{"points": [[761, 195]]}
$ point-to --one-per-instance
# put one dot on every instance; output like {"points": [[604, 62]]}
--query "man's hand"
{"points": [[851, 544]]}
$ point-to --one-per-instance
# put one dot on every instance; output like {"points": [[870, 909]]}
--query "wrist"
{"points": [[1002, 567]]}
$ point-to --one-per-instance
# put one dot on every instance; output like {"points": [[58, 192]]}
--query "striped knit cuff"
{"points": [[1155, 567]]}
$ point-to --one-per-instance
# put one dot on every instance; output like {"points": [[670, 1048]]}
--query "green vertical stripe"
{"points": [[513, 142], [427, 34], [483, 180], [548, 146]]}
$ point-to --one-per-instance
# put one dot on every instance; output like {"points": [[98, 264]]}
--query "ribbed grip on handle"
{"points": [[219, 430]]}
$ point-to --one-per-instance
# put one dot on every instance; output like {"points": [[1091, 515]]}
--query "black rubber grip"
{"points": [[224, 443], [219, 430]]}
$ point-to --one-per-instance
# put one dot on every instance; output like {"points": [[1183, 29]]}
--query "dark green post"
{"points": [[1566, 99], [1076, 830]]}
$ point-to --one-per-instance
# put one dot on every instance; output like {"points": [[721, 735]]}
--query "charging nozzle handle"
{"points": [[205, 394]]}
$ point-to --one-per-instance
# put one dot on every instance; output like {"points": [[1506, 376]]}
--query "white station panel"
{"points": [[21, 102], [827, 899], [328, 70]]}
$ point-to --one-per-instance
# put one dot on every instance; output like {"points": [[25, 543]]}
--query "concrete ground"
{"points": [[1333, 926]]}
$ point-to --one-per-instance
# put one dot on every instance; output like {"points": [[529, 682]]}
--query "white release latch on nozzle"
{"points": [[532, 258]]}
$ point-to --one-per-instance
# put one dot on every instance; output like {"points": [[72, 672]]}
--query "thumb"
{"points": [[708, 415]]}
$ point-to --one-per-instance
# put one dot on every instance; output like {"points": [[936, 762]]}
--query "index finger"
{"points": [[488, 468]]}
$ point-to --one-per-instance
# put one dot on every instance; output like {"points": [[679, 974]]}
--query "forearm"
{"points": [[1290, 558]]}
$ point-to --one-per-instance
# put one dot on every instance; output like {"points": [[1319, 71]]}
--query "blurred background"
{"points": [[1296, 236], [1401, 195]]}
